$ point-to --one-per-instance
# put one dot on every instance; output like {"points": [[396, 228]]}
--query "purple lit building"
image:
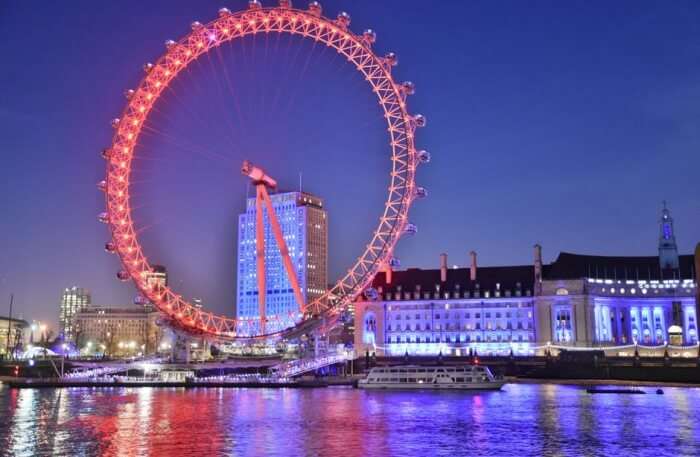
{"points": [[304, 225], [575, 301]]}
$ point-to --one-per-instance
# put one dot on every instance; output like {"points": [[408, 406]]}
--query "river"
{"points": [[522, 420]]}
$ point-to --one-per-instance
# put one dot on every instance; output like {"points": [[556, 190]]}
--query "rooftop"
{"points": [[487, 278], [573, 266]]}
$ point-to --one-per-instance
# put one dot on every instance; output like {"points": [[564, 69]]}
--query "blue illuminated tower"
{"points": [[304, 226], [668, 251]]}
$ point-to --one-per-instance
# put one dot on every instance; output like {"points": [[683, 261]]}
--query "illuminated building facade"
{"points": [[13, 335], [118, 330], [157, 277], [576, 301], [304, 226], [73, 301]]}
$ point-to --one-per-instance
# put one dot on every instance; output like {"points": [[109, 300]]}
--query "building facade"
{"points": [[13, 336], [576, 301], [73, 300], [304, 225], [118, 331], [157, 277]]}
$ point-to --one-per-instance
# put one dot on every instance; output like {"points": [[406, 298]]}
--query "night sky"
{"points": [[560, 123]]}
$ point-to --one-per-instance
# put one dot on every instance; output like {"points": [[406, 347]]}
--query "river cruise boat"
{"points": [[470, 377]]}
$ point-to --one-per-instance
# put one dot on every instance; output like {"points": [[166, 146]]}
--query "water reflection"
{"points": [[522, 420]]}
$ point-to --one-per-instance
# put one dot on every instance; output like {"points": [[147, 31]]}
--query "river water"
{"points": [[522, 420]]}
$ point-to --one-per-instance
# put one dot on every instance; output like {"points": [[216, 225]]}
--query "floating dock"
{"points": [[59, 383]]}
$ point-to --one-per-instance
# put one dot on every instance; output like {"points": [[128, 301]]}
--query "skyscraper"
{"points": [[303, 222], [73, 300]]}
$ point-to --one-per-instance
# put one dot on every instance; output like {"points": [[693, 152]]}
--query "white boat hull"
{"points": [[492, 385]]}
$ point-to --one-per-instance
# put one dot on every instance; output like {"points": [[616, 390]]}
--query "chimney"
{"points": [[443, 267], [538, 269], [472, 268]]}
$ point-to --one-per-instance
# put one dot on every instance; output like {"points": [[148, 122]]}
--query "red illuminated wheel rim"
{"points": [[401, 125]]}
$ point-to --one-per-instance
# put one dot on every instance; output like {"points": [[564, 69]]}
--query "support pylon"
{"points": [[262, 201]]}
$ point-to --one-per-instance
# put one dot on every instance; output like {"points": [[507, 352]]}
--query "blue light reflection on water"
{"points": [[523, 420]]}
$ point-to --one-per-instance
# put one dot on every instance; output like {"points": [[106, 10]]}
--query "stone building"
{"points": [[118, 331], [13, 336], [576, 301]]}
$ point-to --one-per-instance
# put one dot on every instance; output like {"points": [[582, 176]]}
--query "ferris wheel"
{"points": [[402, 189]]}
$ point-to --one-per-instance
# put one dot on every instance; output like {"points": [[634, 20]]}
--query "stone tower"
{"points": [[668, 251]]}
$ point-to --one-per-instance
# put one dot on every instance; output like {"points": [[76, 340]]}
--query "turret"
{"points": [[668, 250]]}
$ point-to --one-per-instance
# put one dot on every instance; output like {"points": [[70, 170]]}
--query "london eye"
{"points": [[402, 190]]}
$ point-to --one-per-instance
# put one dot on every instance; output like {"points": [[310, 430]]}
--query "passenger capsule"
{"points": [[140, 300], [224, 12], [410, 229], [148, 67], [123, 275], [110, 247], [169, 44], [391, 59], [420, 120], [129, 94], [408, 88], [394, 262], [103, 217], [196, 25], [315, 8], [343, 19], [106, 153], [420, 192], [115, 122], [285, 4], [423, 156], [369, 36], [102, 185], [254, 4]]}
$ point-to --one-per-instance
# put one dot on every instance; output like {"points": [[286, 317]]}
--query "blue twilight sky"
{"points": [[563, 123]]}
